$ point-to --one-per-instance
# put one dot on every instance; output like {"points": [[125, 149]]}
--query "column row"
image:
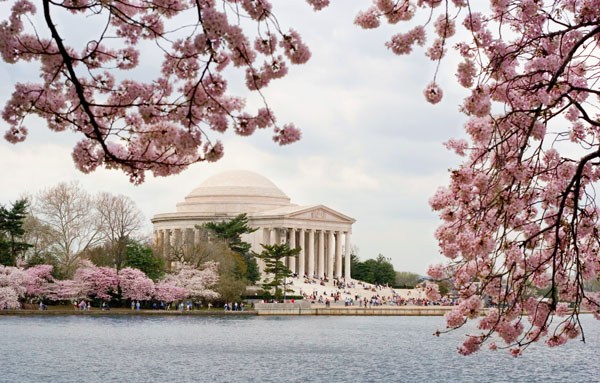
{"points": [[323, 253], [172, 241]]}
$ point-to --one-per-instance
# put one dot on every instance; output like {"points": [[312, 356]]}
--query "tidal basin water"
{"points": [[271, 349]]}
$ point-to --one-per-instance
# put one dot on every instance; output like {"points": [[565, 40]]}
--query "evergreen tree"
{"points": [[375, 271], [273, 256], [12, 232], [231, 232], [141, 257]]}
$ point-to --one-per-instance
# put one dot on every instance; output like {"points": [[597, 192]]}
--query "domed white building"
{"points": [[321, 233]]}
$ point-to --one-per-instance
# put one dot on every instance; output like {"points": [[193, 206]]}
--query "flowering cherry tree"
{"points": [[198, 282], [167, 290], [65, 290], [135, 284], [38, 281], [519, 219], [91, 281], [17, 284], [97, 281], [12, 287], [160, 125], [9, 298]]}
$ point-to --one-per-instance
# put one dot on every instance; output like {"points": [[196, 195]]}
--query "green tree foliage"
{"points": [[273, 256], [230, 289], [407, 279], [375, 271], [12, 233], [354, 264], [140, 256], [445, 287], [232, 266], [231, 232]]}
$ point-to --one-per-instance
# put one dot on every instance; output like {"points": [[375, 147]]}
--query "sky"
{"points": [[372, 147]]}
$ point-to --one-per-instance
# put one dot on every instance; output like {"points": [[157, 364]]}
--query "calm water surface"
{"points": [[271, 349]]}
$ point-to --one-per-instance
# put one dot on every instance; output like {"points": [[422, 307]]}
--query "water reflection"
{"points": [[270, 349]]}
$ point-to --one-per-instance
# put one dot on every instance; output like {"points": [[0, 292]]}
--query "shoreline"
{"points": [[305, 308], [122, 312], [260, 309], [263, 309]]}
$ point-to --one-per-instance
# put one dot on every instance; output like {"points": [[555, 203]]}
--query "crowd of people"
{"points": [[314, 290], [82, 305], [234, 307], [361, 294]]}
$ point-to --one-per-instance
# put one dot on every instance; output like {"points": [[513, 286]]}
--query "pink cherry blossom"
{"points": [[287, 135], [159, 124], [13, 282], [433, 93], [436, 271], [65, 290], [432, 292], [472, 344], [318, 4], [38, 282], [169, 291], [99, 282], [197, 282], [135, 285], [9, 298], [436, 51], [402, 43], [368, 19], [444, 26]]}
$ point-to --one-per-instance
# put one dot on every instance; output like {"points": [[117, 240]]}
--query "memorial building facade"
{"points": [[322, 234]]}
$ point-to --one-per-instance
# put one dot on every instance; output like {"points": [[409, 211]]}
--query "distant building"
{"points": [[322, 233]]}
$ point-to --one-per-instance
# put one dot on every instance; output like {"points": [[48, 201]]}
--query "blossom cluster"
{"points": [[519, 215], [162, 124], [90, 281]]}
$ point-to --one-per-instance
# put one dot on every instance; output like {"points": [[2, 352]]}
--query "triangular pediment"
{"points": [[320, 213]]}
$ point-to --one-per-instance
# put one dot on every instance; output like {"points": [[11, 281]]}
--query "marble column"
{"points": [[178, 241], [189, 240], [311, 253], [292, 244], [330, 255], [167, 244], [197, 236], [161, 240], [347, 274], [338, 254], [273, 237], [301, 253], [266, 236], [321, 259]]}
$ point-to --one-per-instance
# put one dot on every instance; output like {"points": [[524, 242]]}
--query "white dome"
{"points": [[234, 192]]}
